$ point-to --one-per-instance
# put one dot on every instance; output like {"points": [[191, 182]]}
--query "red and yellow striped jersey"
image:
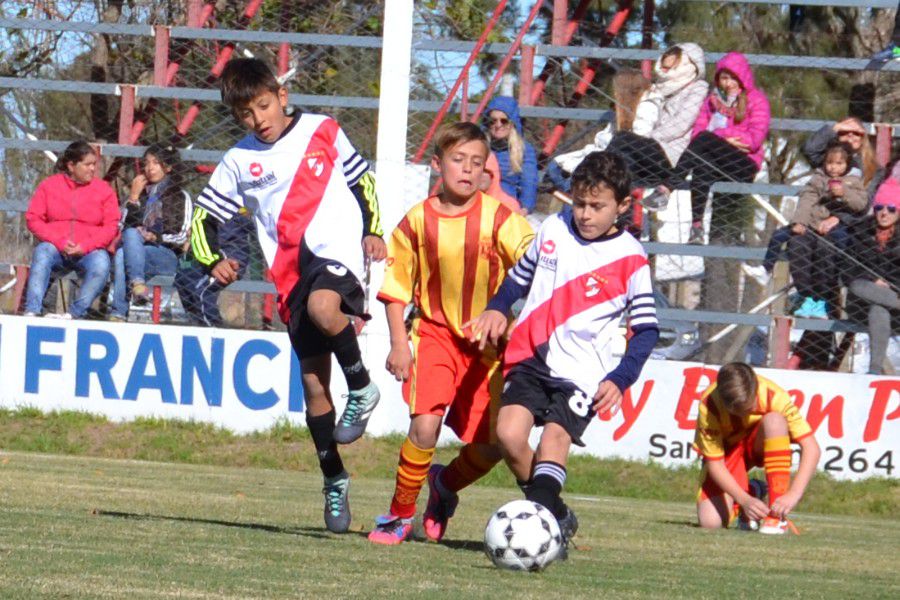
{"points": [[451, 266], [718, 431]]}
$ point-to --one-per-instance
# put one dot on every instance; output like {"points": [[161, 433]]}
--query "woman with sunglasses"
{"points": [[876, 265], [516, 157], [852, 132]]}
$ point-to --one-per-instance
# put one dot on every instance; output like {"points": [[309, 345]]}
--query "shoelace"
{"points": [[334, 497], [352, 411]]}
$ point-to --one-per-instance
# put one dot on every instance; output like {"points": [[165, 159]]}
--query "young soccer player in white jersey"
{"points": [[309, 191], [581, 274]]}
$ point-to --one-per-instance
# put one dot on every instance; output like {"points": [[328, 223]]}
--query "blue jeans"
{"points": [[48, 261], [134, 263]]}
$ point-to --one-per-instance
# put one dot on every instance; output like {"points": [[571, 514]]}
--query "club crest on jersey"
{"points": [[314, 162], [545, 260], [593, 284]]}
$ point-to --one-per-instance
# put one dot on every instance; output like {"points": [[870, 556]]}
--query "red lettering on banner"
{"points": [[796, 397], [833, 411], [630, 411], [884, 389], [690, 393]]}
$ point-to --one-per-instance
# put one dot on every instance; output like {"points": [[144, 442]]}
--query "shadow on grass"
{"points": [[312, 532], [470, 545], [682, 522]]}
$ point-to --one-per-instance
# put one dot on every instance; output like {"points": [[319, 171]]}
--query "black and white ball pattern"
{"points": [[522, 536]]}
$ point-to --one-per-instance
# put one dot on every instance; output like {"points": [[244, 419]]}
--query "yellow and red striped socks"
{"points": [[412, 470], [468, 467], [777, 463]]}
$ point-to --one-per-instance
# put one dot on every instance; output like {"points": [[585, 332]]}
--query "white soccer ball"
{"points": [[522, 536]]}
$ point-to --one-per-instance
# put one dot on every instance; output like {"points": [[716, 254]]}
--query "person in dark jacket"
{"points": [[876, 281], [199, 292], [155, 229]]}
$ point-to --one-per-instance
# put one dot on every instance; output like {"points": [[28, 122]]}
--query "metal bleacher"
{"points": [[548, 51]]}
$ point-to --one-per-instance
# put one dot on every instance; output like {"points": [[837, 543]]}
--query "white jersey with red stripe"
{"points": [[578, 292], [298, 190]]}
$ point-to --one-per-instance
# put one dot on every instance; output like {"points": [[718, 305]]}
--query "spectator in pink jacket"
{"points": [[74, 216], [727, 142]]}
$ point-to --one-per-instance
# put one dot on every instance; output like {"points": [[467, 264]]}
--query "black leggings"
{"points": [[645, 158], [711, 159]]}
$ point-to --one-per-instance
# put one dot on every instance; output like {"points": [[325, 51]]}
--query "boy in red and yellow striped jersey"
{"points": [[448, 256], [747, 421]]}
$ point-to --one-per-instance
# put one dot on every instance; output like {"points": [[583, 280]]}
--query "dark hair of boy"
{"points": [[837, 146], [606, 168], [450, 135], [736, 384], [74, 153], [243, 79]]}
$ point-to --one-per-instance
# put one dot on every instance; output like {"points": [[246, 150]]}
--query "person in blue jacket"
{"points": [[516, 157]]}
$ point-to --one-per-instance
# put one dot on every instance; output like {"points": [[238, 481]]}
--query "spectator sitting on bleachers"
{"points": [[74, 216], [198, 290], [658, 138], [830, 202], [155, 228], [876, 245], [635, 115], [728, 140], [516, 157], [851, 132]]}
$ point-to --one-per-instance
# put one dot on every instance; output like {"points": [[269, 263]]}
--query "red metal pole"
{"points": [[781, 352], [558, 28], [284, 50], [587, 75], [647, 39], [157, 303], [197, 16], [486, 97], [126, 114], [883, 133], [222, 59], [526, 74], [465, 71], [551, 65], [19, 290], [161, 54]]}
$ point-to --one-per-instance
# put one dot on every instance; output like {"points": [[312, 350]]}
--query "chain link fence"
{"points": [[708, 206]]}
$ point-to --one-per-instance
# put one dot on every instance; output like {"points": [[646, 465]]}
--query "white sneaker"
{"points": [[28, 313], [64, 316], [773, 526]]}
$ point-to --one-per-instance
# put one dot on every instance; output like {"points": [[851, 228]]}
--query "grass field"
{"points": [[79, 527]]}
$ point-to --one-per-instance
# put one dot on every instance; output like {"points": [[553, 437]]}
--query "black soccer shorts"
{"points": [[306, 339], [550, 401]]}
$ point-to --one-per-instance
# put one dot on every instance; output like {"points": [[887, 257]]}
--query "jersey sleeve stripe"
{"points": [[221, 196], [201, 248], [213, 209]]}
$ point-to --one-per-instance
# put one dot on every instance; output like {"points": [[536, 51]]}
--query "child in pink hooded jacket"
{"points": [[728, 137]]}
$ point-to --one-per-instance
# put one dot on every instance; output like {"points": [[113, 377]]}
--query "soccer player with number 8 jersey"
{"points": [[580, 276]]}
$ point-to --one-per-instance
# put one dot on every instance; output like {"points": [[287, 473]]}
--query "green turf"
{"points": [[77, 527], [289, 447]]}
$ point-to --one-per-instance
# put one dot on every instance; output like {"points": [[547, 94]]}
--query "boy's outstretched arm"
{"points": [[809, 459], [489, 326], [205, 246]]}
